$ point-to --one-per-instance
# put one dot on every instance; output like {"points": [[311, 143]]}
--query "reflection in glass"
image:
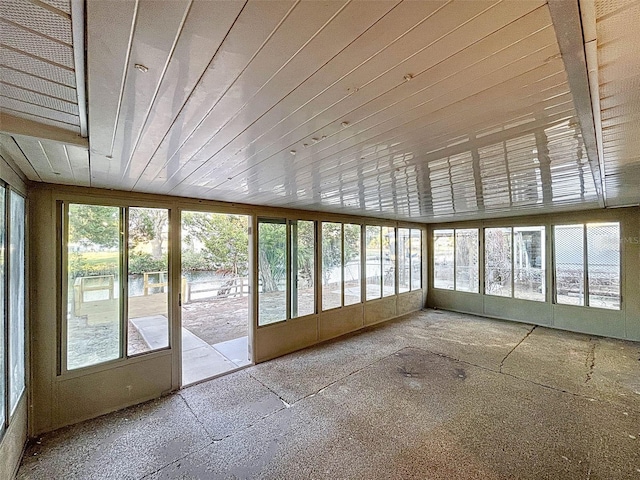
{"points": [[148, 280], [467, 260], [373, 266], [272, 271], [528, 263], [569, 264], [352, 264], [603, 254], [388, 261], [93, 267], [16, 301], [331, 265], [303, 268], [416, 259], [497, 246], [404, 259]]}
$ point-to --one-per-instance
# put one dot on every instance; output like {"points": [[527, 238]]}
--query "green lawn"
{"points": [[98, 258]]}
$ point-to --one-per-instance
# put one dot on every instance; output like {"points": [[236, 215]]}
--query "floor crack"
{"points": [[195, 415], [516, 346], [590, 361], [288, 405], [488, 369]]}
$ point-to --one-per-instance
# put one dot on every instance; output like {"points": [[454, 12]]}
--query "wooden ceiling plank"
{"points": [[350, 103], [9, 149], [436, 101]]}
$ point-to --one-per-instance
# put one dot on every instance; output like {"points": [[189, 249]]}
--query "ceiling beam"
{"points": [[12, 125], [565, 16], [77, 28]]}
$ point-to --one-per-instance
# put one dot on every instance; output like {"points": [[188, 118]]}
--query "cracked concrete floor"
{"points": [[433, 395]]}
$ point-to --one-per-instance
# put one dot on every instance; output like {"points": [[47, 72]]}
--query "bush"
{"points": [[80, 266], [197, 261], [144, 262]]}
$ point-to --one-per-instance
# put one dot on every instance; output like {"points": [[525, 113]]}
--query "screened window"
{"points": [[12, 302], [455, 257], [302, 268], [587, 265], [388, 261], [514, 262], [272, 271], [529, 263], [352, 263], [16, 301], [373, 252], [443, 260], [93, 279], [603, 265], [331, 265], [117, 283], [404, 259], [147, 280], [466, 241], [569, 264], [497, 264], [415, 246]]}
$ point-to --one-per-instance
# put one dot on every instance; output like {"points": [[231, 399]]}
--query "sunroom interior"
{"points": [[194, 186]]}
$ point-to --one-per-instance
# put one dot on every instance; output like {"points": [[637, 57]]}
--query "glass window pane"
{"points": [[528, 263], [467, 260], [16, 301], [603, 263], [303, 268], [272, 271], [148, 280], [497, 247], [331, 265], [3, 234], [404, 259], [443, 259], [388, 261], [569, 264], [416, 259], [352, 264], [374, 262], [93, 267]]}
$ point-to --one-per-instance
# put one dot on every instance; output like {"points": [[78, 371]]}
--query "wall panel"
{"points": [[111, 386], [623, 323], [377, 311], [334, 323]]}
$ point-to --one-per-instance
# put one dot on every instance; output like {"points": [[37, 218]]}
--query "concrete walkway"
{"points": [[199, 359], [433, 395]]}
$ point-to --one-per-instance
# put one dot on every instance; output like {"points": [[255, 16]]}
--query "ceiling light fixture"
{"points": [[141, 68], [408, 76], [344, 124]]}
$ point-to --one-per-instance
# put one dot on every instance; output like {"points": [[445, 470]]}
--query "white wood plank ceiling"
{"points": [[421, 110]]}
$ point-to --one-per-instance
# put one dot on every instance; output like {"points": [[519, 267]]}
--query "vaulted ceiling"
{"points": [[421, 110]]}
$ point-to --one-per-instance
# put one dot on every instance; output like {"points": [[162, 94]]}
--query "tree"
{"points": [[94, 224], [332, 247], [146, 225], [303, 243], [272, 255], [498, 258], [224, 237]]}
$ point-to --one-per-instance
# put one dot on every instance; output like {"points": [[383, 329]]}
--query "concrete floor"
{"points": [[433, 395]]}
